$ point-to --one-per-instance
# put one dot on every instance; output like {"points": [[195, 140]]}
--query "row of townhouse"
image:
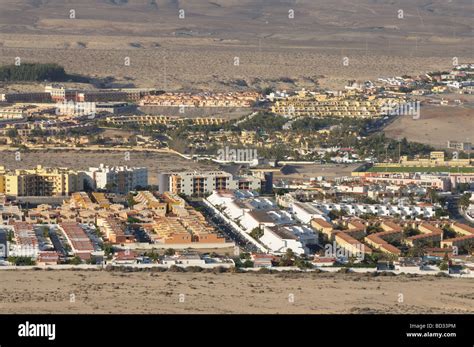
{"points": [[440, 181], [80, 243], [305, 212], [279, 230], [236, 99], [437, 182], [115, 230], [429, 233], [382, 240], [466, 237], [348, 239], [166, 218], [337, 107], [149, 120], [436, 159], [183, 226], [425, 210], [393, 233]]}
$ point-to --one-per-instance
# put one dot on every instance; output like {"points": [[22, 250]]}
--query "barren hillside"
{"points": [[279, 42]]}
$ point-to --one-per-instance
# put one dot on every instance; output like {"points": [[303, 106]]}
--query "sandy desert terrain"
{"points": [[273, 45], [436, 126], [143, 292]]}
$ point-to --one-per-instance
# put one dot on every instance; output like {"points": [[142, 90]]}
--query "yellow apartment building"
{"points": [[40, 181]]}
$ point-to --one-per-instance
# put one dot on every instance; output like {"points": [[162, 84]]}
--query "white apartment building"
{"points": [[249, 209], [261, 218], [117, 179], [378, 209], [205, 182], [306, 212], [295, 237], [237, 203]]}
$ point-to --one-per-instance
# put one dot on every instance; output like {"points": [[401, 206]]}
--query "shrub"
{"points": [[193, 269], [175, 268]]}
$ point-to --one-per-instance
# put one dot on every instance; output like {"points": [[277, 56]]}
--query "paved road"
{"points": [[224, 228], [58, 245], [453, 209]]}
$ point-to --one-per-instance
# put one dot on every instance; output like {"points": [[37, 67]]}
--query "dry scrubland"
{"points": [[143, 292], [199, 51], [435, 126], [155, 162]]}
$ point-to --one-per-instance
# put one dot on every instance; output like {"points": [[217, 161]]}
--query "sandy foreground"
{"points": [[171, 292]]}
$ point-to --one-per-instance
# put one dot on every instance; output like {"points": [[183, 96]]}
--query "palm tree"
{"points": [[417, 251]]}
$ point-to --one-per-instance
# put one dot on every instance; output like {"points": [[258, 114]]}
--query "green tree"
{"points": [[439, 212], [75, 261], [248, 263], [256, 233], [417, 250], [12, 133], [448, 233], [21, 261], [45, 231], [433, 195], [108, 249], [153, 256], [288, 258], [445, 263], [465, 200], [303, 264], [33, 72]]}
